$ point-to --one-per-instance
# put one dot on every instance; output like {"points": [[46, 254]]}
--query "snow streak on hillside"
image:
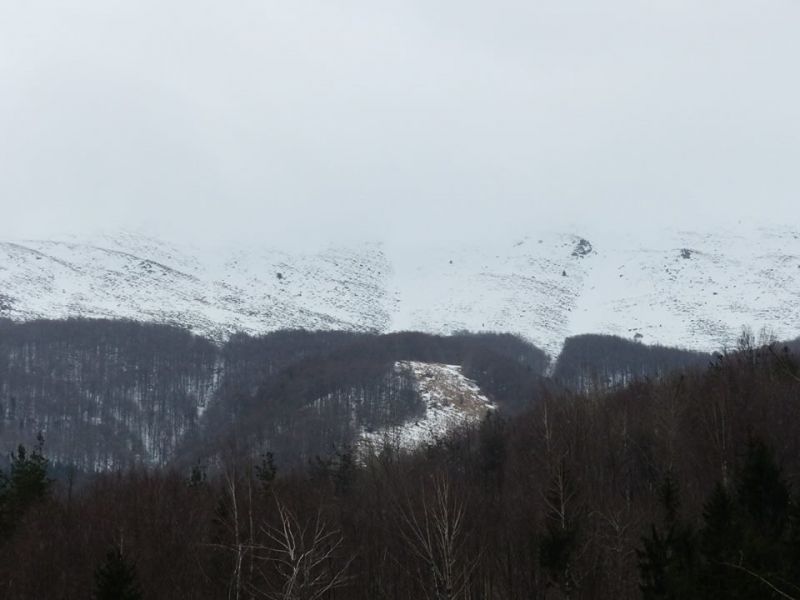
{"points": [[451, 401], [690, 289]]}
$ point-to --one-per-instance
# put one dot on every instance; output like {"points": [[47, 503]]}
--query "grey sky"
{"points": [[346, 118]]}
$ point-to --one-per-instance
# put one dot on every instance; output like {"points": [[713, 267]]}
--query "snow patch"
{"points": [[450, 399]]}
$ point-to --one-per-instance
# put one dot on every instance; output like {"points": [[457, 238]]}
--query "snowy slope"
{"points": [[529, 286], [693, 290], [451, 401], [689, 289], [212, 291]]}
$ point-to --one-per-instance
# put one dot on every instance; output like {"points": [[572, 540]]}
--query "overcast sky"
{"points": [[335, 119]]}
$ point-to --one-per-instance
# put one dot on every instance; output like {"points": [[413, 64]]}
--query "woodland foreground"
{"points": [[684, 487]]}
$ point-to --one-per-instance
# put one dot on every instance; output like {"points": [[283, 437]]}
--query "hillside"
{"points": [[692, 290], [109, 393]]}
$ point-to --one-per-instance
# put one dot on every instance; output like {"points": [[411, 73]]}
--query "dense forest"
{"points": [[111, 394], [683, 486], [597, 362], [103, 392]]}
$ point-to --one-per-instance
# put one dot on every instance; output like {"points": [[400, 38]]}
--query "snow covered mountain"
{"points": [[212, 291], [690, 289]]}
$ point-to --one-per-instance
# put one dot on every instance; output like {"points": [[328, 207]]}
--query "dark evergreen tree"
{"points": [[667, 563], [747, 538], [345, 473], [720, 540], [266, 471], [116, 578], [198, 476], [759, 561], [29, 480], [26, 484], [556, 550], [792, 552], [762, 491], [492, 438]]}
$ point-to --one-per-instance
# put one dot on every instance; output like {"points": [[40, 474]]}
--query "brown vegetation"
{"points": [[552, 503]]}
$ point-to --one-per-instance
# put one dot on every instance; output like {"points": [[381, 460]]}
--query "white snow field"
{"points": [[681, 288]]}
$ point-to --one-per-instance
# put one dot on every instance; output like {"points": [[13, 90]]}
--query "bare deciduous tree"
{"points": [[435, 534], [298, 561]]}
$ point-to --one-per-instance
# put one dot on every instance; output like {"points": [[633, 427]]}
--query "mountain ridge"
{"points": [[679, 288]]}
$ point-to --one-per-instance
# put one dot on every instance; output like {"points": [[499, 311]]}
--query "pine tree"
{"points": [[266, 470], [762, 491], [667, 563], [116, 578], [345, 474], [26, 484], [197, 477], [493, 451], [29, 479], [763, 499], [747, 537], [792, 544], [720, 542]]}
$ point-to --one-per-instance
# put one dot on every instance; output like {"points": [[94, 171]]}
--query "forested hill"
{"points": [[106, 394], [109, 393], [598, 362], [684, 486]]}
